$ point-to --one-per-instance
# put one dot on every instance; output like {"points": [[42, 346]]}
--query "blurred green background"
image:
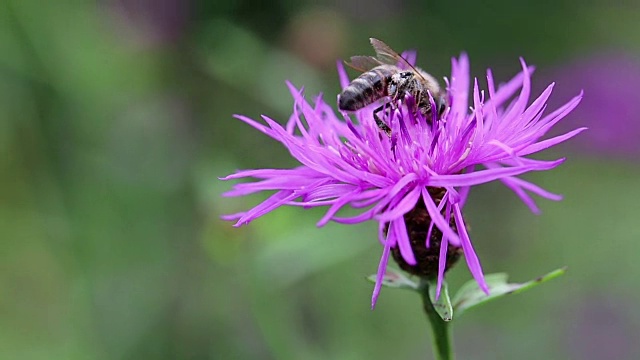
{"points": [[116, 122]]}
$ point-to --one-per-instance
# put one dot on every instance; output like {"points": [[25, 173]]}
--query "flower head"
{"points": [[424, 165]]}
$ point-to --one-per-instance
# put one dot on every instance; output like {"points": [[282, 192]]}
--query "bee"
{"points": [[389, 75]]}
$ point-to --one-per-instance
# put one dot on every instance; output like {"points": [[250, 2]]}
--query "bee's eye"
{"points": [[406, 74], [442, 105]]}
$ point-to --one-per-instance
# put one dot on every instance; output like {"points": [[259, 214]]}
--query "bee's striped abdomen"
{"points": [[366, 88]]}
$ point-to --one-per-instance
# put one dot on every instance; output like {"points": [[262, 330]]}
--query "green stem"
{"points": [[440, 329]]}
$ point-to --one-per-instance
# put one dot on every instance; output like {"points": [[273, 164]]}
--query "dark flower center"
{"points": [[418, 221]]}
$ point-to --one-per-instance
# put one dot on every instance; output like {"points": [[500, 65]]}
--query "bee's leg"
{"points": [[423, 107], [384, 127], [417, 110]]}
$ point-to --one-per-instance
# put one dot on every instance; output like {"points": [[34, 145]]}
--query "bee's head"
{"points": [[399, 82]]}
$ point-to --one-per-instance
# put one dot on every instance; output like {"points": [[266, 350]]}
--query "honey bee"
{"points": [[389, 75]]}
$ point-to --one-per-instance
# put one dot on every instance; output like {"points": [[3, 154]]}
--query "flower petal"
{"points": [[469, 254], [402, 240], [382, 267], [485, 176]]}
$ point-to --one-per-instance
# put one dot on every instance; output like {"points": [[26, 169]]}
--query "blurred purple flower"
{"points": [[343, 163], [610, 81], [150, 23]]}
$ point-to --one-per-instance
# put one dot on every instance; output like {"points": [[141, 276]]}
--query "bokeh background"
{"points": [[116, 122]]}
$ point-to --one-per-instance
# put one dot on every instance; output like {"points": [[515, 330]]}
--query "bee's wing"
{"points": [[386, 55], [363, 63]]}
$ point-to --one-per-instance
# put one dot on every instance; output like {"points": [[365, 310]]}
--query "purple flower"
{"points": [[357, 165]]}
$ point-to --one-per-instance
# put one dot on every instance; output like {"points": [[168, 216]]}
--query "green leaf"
{"points": [[395, 279], [470, 294], [443, 304]]}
